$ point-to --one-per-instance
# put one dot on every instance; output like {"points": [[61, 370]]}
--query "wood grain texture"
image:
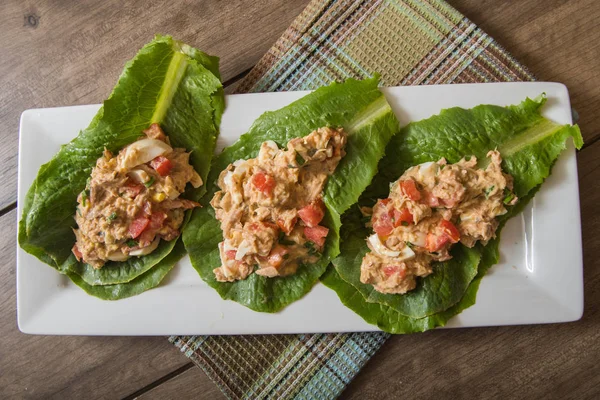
{"points": [[557, 40], [74, 56], [192, 384], [64, 367], [60, 53], [523, 362]]}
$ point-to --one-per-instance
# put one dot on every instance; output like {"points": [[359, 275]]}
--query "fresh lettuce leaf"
{"points": [[529, 144], [362, 110], [167, 82], [139, 284]]}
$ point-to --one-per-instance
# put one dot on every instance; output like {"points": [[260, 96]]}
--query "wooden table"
{"points": [[59, 53]]}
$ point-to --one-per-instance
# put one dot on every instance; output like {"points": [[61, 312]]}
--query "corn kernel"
{"points": [[158, 197]]}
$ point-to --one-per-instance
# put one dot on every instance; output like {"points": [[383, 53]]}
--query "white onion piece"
{"points": [[139, 175], [420, 239], [143, 151], [144, 251], [241, 166], [406, 254], [196, 180], [242, 250], [428, 170], [228, 180], [117, 256], [271, 144]]}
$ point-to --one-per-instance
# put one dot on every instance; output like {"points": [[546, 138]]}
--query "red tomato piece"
{"points": [[230, 254], [263, 182], [133, 188], [429, 199], [162, 165], [394, 269], [138, 226], [383, 225], [403, 216], [288, 226], [409, 187], [435, 242], [277, 256], [450, 230], [157, 220], [313, 213], [316, 234], [77, 253]]}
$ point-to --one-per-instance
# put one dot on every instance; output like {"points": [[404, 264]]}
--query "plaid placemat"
{"points": [[409, 42]]}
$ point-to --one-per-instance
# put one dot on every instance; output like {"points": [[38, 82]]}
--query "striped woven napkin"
{"points": [[409, 42]]}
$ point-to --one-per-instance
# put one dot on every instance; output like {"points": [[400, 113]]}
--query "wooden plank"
{"points": [[68, 366], [522, 362], [557, 40], [60, 53], [192, 384]]}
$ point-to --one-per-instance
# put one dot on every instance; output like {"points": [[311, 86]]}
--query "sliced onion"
{"points": [[428, 169], [242, 250], [420, 239], [139, 175], [144, 251], [118, 256], [196, 180], [143, 151]]}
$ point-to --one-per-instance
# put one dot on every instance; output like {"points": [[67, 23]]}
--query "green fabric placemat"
{"points": [[408, 42]]}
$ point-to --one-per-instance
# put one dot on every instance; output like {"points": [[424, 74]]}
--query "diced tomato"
{"points": [[429, 199], [450, 230], [133, 188], [409, 187], [435, 242], [403, 216], [157, 220], [162, 165], [263, 182], [138, 226], [313, 213], [383, 225], [385, 202], [316, 234], [77, 253], [259, 226], [146, 237], [277, 256], [230, 254], [288, 226], [394, 269]]}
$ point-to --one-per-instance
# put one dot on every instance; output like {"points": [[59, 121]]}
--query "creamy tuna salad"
{"points": [[270, 207], [431, 207], [131, 200]]}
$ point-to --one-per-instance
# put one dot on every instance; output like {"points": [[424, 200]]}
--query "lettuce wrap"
{"points": [[529, 145], [357, 106], [168, 83]]}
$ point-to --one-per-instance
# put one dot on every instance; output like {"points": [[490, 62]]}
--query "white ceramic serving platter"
{"points": [[539, 278]]}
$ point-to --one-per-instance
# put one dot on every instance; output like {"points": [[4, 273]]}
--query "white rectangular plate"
{"points": [[539, 278]]}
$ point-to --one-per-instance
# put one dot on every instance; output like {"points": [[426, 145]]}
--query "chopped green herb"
{"points": [[78, 211], [309, 245], [131, 243], [312, 152], [410, 245], [85, 195], [150, 182], [111, 217], [509, 198], [299, 159], [404, 223], [488, 191]]}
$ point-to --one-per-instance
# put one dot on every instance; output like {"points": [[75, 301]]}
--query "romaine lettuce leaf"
{"points": [[167, 82], [529, 144], [362, 110]]}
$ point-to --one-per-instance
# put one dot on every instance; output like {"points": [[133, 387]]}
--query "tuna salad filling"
{"points": [[270, 207], [430, 208], [131, 200]]}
